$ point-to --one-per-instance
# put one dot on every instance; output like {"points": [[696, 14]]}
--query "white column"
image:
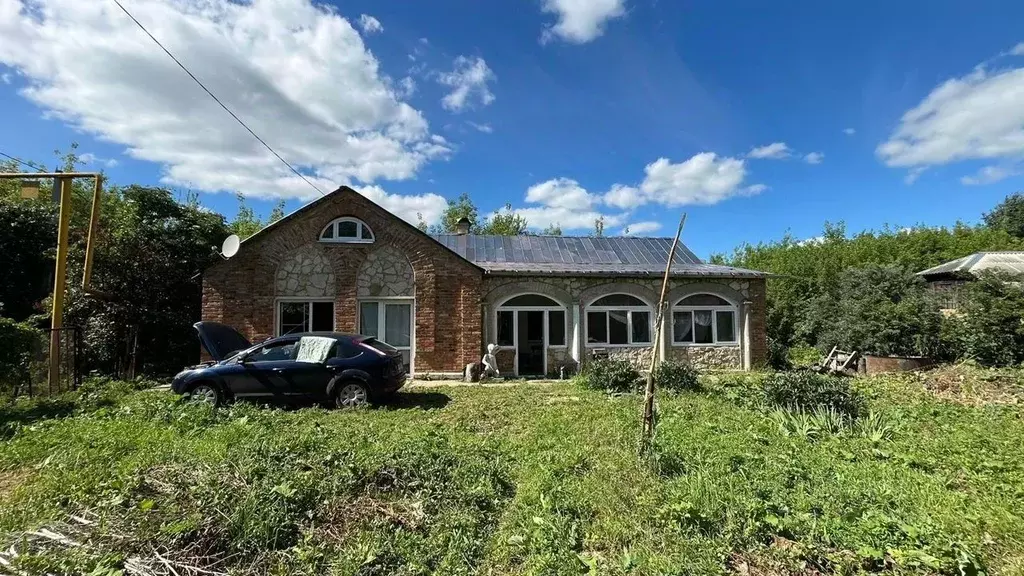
{"points": [[576, 344], [746, 335]]}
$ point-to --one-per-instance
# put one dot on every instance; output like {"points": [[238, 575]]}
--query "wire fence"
{"points": [[69, 374]]}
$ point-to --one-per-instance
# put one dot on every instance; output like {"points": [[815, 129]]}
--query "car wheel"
{"points": [[205, 393], [351, 394]]}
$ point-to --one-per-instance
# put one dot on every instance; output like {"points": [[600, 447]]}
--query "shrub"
{"points": [[676, 376], [21, 343], [610, 376], [989, 324], [805, 390]]}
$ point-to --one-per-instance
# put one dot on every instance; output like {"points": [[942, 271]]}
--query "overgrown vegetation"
{"points": [[807, 391], [529, 480], [610, 375], [676, 376], [988, 326], [20, 345]]}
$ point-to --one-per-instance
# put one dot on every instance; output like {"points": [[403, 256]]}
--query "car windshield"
{"points": [[380, 346]]}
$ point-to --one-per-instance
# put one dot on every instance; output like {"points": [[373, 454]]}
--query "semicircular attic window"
{"points": [[346, 231]]}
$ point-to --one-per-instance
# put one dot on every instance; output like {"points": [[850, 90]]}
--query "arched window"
{"points": [[547, 314], [347, 230], [618, 320], [703, 319]]}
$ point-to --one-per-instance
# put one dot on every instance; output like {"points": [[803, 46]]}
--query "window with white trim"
{"points": [[554, 318], [346, 230], [703, 319], [618, 320], [391, 322], [297, 316]]}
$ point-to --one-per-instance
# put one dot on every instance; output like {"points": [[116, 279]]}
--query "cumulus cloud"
{"points": [[485, 128], [754, 189], [91, 159], [369, 24], [773, 151], [468, 82], [407, 207], [705, 178], [988, 175], [622, 196], [561, 193], [580, 21], [1017, 50], [641, 228], [297, 73], [977, 116], [814, 157]]}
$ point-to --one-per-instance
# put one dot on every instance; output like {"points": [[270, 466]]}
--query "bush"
{"points": [[676, 376], [21, 343], [610, 376], [989, 324], [807, 391]]}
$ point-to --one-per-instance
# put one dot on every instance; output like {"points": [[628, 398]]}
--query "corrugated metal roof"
{"points": [[576, 255], [1012, 262]]}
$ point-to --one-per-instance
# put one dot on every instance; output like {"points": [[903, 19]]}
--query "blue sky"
{"points": [[754, 118]]}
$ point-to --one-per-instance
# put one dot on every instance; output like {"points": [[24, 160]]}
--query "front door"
{"points": [[530, 346]]}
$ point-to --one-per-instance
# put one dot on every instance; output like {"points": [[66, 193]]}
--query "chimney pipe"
{"points": [[462, 226]]}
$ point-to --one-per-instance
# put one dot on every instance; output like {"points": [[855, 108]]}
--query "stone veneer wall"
{"points": [[305, 272], [581, 290], [386, 272]]}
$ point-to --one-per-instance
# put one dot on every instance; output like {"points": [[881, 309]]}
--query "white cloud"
{"points": [[566, 218], [705, 178], [561, 193], [369, 24], [91, 159], [1017, 50], [773, 151], [406, 87], [408, 208], [913, 175], [641, 228], [580, 21], [298, 74], [5, 78], [977, 116], [849, 131], [485, 128], [754, 189], [622, 196], [814, 157], [468, 81], [988, 175]]}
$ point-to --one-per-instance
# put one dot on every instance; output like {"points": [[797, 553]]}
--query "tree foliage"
{"points": [[505, 222], [28, 235], [1008, 215], [988, 326], [461, 207]]}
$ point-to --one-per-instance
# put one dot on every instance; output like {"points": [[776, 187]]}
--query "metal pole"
{"points": [[90, 243], [60, 273]]}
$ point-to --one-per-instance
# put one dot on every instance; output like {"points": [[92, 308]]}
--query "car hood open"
{"points": [[220, 341]]}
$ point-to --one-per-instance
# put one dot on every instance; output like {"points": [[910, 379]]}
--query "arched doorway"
{"points": [[529, 324]]}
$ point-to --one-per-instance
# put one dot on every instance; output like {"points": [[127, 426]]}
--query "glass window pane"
{"points": [[618, 332], [531, 300], [704, 300], [323, 317], [702, 327], [597, 327], [506, 328], [726, 324], [556, 328], [347, 229], [641, 327], [366, 234], [328, 232], [682, 326], [274, 353], [398, 325], [619, 300], [294, 317], [368, 323]]}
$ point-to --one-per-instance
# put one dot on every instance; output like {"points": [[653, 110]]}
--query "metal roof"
{"points": [[578, 255], [1012, 262]]}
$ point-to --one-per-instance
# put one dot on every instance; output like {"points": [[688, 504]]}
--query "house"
{"points": [[947, 279], [344, 263]]}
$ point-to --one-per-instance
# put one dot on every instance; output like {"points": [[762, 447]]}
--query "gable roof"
{"points": [[1012, 262], [576, 255]]}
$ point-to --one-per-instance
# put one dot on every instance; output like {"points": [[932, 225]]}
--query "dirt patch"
{"points": [[339, 518], [975, 386], [11, 480]]}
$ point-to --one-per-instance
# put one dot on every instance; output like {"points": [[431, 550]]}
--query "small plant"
{"points": [[805, 390], [875, 428], [676, 376], [609, 375]]}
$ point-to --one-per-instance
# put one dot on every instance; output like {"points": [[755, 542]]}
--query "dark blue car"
{"points": [[353, 371]]}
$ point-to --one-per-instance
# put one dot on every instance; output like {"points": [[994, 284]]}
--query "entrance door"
{"points": [[530, 347]]}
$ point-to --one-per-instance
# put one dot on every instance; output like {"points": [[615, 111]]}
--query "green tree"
{"points": [[988, 326], [246, 222], [461, 207], [276, 213], [1008, 215], [552, 230], [505, 222], [28, 234]]}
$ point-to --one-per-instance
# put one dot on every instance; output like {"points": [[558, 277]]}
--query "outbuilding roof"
{"points": [[1012, 262], [578, 255]]}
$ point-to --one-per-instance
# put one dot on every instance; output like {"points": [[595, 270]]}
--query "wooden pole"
{"points": [[659, 317], [60, 273], [90, 243]]}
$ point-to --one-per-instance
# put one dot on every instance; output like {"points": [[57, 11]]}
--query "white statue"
{"points": [[490, 362]]}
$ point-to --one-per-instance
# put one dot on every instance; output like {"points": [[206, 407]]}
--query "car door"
{"points": [[311, 378], [262, 371]]}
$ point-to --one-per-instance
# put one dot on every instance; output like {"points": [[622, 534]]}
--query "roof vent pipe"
{"points": [[462, 226]]}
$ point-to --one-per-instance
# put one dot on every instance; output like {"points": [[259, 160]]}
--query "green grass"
{"points": [[524, 480]]}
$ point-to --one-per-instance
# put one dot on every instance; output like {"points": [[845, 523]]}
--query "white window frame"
{"points": [[309, 302], [515, 310], [358, 239], [714, 322], [381, 302], [629, 322]]}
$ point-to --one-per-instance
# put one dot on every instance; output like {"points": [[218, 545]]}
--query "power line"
{"points": [[217, 100], [20, 161]]}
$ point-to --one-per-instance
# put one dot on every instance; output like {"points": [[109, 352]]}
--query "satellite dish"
{"points": [[230, 246]]}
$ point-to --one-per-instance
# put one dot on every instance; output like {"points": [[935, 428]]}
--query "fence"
{"points": [[69, 375]]}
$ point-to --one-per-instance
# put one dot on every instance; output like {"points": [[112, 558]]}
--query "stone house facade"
{"points": [[343, 263]]}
